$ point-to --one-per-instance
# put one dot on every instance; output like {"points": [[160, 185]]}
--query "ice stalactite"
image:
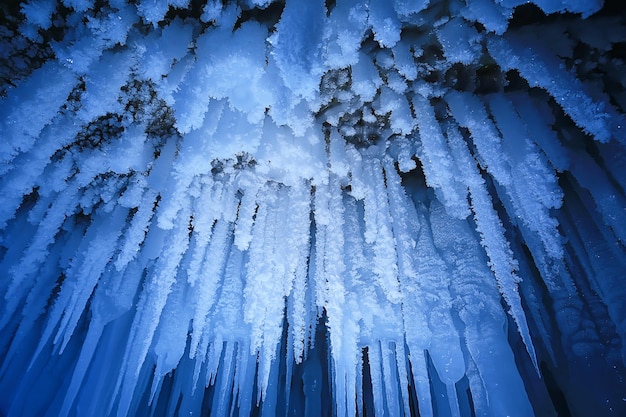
{"points": [[351, 207]]}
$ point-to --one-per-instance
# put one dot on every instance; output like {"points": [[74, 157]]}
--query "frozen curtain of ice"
{"points": [[350, 207]]}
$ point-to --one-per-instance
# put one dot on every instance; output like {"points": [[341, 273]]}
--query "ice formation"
{"points": [[312, 208]]}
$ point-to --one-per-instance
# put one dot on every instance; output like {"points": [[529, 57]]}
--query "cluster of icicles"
{"points": [[153, 266]]}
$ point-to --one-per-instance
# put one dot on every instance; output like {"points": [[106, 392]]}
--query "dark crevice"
{"points": [[268, 16], [527, 14]]}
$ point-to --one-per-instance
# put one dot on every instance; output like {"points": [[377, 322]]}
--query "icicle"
{"points": [[422, 382], [244, 378], [212, 359], [37, 250], [298, 248], [245, 218], [477, 388], [609, 201], [493, 240], [228, 317], [225, 380], [530, 292], [453, 400], [603, 266], [470, 112], [30, 107], [89, 263], [183, 402], [379, 232], [376, 373], [439, 168], [210, 278], [269, 395], [480, 311], [136, 231], [540, 131], [264, 290], [27, 168], [390, 378], [20, 233], [171, 336], [503, 385], [347, 361], [84, 360], [532, 176], [34, 306], [544, 70], [149, 309], [415, 309], [297, 310], [403, 376], [444, 345], [331, 267], [204, 219]]}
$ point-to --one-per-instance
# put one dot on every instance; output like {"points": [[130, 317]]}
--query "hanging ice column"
{"points": [[312, 208]]}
